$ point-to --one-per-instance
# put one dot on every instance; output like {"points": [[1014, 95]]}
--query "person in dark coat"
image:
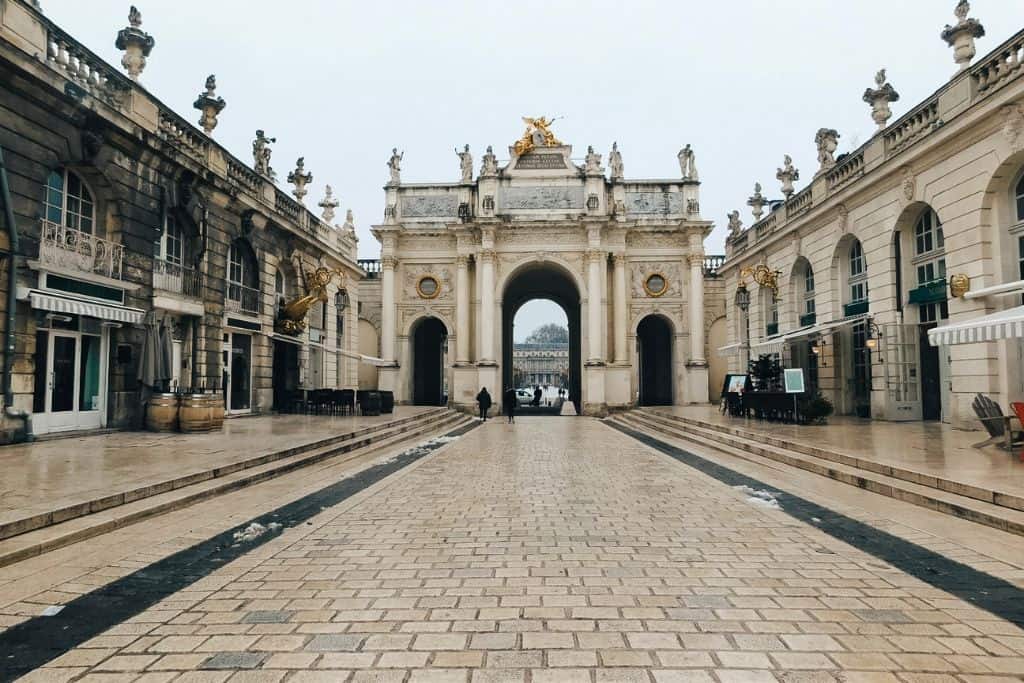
{"points": [[483, 399], [537, 393], [510, 405]]}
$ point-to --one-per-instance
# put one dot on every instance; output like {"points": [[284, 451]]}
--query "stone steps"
{"points": [[987, 495], [182, 491], [762, 452]]}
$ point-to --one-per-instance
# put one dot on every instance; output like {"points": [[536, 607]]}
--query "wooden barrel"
{"points": [[162, 413], [216, 410], [194, 413]]}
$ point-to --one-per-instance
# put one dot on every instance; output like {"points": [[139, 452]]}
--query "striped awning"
{"points": [[1008, 324], [775, 344], [47, 301]]}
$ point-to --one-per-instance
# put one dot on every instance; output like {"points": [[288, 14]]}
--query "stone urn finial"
{"points": [[879, 98], [136, 43], [209, 105], [827, 142], [961, 35], [756, 202], [787, 175], [329, 203], [299, 178]]}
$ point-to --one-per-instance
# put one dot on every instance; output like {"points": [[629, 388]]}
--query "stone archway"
{"points": [[654, 341], [543, 281], [429, 338]]}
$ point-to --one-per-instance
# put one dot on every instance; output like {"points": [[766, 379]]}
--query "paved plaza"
{"points": [[562, 550]]}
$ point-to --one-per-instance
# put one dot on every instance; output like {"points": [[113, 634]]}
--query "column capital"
{"points": [[695, 260], [487, 256], [620, 258], [596, 255], [462, 260], [388, 262]]}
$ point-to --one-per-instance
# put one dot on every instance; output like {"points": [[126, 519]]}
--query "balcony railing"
{"points": [[177, 279], [79, 251], [371, 266], [712, 262], [241, 299]]}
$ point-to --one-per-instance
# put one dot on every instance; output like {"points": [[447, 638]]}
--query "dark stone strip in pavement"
{"points": [[980, 589], [35, 642]]}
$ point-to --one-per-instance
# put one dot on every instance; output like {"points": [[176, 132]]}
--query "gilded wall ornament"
{"points": [[428, 287], [656, 284], [538, 134]]}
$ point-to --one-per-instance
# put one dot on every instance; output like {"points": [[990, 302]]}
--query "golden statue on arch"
{"points": [[291, 318], [538, 134]]}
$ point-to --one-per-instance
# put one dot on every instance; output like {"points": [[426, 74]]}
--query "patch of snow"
{"points": [[764, 502], [254, 531], [815, 520], [52, 611], [760, 497]]}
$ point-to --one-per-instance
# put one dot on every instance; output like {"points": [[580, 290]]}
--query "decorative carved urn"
{"points": [[299, 178], [136, 43], [756, 202], [210, 105], [879, 98], [787, 175], [961, 36]]}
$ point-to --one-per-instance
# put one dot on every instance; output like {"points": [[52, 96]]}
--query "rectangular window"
{"points": [[173, 240]]}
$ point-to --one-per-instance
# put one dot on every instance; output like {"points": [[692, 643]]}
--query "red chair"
{"points": [[1018, 409]]}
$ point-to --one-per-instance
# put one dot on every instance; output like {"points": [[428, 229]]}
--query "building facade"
{"points": [[122, 208], [540, 365], [849, 278], [624, 259]]}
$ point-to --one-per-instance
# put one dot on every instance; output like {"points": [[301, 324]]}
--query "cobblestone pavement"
{"points": [[554, 550]]}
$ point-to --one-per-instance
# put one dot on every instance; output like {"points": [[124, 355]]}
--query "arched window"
{"points": [[279, 288], [858, 279], [808, 315], [243, 277], [930, 263], [771, 312], [1019, 198], [68, 201]]}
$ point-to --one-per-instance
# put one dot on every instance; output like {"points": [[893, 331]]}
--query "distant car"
{"points": [[524, 397]]}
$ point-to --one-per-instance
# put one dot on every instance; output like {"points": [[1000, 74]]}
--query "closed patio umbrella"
{"points": [[166, 354], [149, 362]]}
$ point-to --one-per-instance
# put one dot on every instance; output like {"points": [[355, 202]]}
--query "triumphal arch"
{"points": [[624, 258]]}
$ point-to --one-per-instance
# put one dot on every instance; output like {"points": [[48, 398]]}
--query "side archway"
{"points": [[429, 340], [654, 343]]}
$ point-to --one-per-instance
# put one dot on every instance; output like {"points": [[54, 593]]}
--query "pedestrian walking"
{"points": [[510, 405], [483, 399]]}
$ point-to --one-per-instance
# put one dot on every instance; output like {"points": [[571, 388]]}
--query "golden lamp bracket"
{"points": [[291, 319], [763, 276]]}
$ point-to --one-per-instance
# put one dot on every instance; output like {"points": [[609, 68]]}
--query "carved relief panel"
{"points": [[644, 285], [427, 282]]}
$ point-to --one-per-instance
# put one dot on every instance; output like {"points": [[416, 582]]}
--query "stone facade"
{"points": [[478, 245], [862, 255], [122, 207]]}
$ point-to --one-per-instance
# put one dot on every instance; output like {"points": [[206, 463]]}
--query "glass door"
{"points": [[70, 371], [63, 378], [239, 371]]}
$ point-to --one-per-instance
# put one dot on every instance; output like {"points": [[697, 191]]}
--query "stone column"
{"points": [[387, 313], [486, 260], [462, 304], [621, 310], [595, 260], [696, 309]]}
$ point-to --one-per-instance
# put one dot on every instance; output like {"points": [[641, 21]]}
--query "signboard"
{"points": [[737, 384], [794, 380]]}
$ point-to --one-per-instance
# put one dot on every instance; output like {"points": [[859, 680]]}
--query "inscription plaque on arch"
{"points": [[537, 161]]}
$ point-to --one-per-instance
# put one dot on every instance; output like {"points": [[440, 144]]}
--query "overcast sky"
{"points": [[342, 82]]}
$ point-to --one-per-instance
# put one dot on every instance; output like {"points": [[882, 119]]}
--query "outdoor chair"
{"points": [[996, 424], [297, 402], [1018, 410]]}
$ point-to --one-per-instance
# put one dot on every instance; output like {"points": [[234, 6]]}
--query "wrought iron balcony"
{"points": [[177, 279], [241, 299], [62, 247]]}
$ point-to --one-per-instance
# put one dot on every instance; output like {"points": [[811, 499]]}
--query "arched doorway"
{"points": [[654, 341], [542, 281], [429, 339]]}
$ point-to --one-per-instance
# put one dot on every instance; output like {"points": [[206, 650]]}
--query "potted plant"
{"points": [[815, 408]]}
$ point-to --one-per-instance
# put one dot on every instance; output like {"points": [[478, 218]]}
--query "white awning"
{"points": [[775, 344], [62, 304], [1006, 324], [368, 360], [730, 350]]}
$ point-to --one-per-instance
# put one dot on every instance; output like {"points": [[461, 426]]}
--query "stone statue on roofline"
{"points": [[465, 164], [395, 167], [615, 162], [592, 164], [687, 163], [735, 225], [489, 166], [261, 154]]}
